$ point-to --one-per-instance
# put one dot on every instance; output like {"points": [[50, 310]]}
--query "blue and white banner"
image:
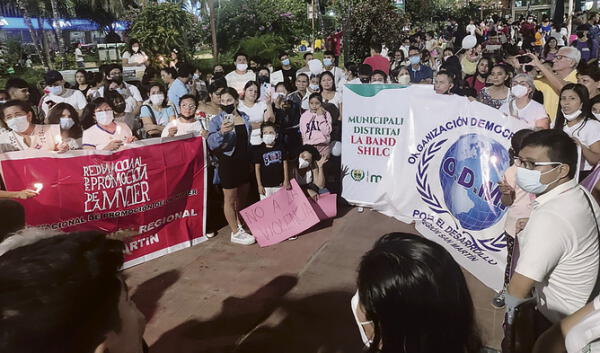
{"points": [[441, 171]]}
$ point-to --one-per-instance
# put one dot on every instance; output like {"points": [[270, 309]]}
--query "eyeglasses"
{"points": [[189, 106], [519, 162], [560, 57]]}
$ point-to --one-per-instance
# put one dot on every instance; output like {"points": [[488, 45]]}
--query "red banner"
{"points": [[154, 189]]}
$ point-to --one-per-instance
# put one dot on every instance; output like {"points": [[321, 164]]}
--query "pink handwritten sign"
{"points": [[281, 216], [326, 206]]}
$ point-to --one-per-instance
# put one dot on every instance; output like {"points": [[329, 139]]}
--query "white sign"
{"points": [[435, 160]]}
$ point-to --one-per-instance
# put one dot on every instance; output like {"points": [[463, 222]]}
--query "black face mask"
{"points": [[228, 108], [263, 79], [218, 75], [120, 108], [118, 79]]}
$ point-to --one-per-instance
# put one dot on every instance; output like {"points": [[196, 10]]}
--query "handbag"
{"points": [[528, 323]]}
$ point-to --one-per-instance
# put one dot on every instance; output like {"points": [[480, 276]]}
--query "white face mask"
{"points": [[66, 123], [104, 118], [56, 90], [268, 139], [572, 116], [363, 335], [529, 180], [157, 99], [18, 124], [404, 79], [302, 163], [2, 101], [597, 115], [314, 87], [518, 91], [241, 67]]}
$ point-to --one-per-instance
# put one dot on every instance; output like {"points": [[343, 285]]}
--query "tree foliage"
{"points": [[367, 21], [239, 19], [162, 27]]}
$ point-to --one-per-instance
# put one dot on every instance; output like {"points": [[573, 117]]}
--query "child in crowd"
{"points": [[310, 173], [270, 163], [315, 125], [519, 206]]}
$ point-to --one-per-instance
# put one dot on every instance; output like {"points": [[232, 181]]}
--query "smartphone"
{"points": [[228, 118]]}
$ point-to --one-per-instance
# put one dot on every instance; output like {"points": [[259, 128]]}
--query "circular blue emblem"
{"points": [[469, 173]]}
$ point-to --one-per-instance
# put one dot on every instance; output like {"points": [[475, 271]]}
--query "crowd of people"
{"points": [[266, 126]]}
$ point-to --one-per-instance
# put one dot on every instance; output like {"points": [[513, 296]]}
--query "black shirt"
{"points": [[271, 164], [289, 78]]}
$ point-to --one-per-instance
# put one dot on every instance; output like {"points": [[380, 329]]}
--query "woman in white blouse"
{"points": [[522, 107], [258, 112], [329, 92], [104, 133]]}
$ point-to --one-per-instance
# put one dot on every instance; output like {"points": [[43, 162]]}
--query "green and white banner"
{"points": [[435, 160]]}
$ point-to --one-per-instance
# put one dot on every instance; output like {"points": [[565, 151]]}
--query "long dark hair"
{"points": [[586, 106], [56, 113], [327, 73], [547, 47], [88, 115], [417, 297]]}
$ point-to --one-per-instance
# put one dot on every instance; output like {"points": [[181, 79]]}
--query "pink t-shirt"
{"points": [[378, 62], [521, 207]]}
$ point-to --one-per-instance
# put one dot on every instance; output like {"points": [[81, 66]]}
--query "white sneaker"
{"points": [[210, 235], [242, 237]]}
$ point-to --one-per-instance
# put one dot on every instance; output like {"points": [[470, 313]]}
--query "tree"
{"points": [[367, 21], [162, 27], [239, 19]]}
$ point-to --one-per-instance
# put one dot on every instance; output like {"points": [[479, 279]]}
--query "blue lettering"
{"points": [[449, 166], [466, 178]]}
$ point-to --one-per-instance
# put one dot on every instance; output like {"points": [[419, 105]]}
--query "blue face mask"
{"points": [[285, 62], [327, 62], [415, 59]]}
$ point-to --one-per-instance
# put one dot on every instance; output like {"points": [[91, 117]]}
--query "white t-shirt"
{"points": [[73, 97], [43, 137], [579, 339], [78, 55], [338, 74], [256, 115], [182, 128], [532, 112], [588, 135], [336, 100], [471, 29], [138, 58], [559, 250], [98, 137], [237, 81]]}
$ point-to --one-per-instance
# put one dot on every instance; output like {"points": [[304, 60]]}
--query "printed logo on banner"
{"points": [[463, 168], [359, 175]]}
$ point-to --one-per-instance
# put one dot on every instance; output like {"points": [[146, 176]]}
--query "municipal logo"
{"points": [[357, 174]]}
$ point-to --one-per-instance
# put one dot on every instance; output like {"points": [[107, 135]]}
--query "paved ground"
{"points": [[291, 297]]}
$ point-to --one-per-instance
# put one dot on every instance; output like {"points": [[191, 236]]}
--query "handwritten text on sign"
{"points": [[281, 216]]}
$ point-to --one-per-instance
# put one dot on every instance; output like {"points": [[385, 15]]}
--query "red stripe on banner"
{"points": [[157, 190]]}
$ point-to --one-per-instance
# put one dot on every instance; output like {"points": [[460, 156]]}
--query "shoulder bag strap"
{"points": [[596, 289], [151, 113]]}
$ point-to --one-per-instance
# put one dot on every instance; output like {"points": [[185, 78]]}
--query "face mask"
{"points": [[597, 115], [241, 67], [404, 79], [66, 123], [415, 59], [572, 116], [217, 75], [120, 108], [55, 90], [302, 163], [327, 62], [361, 329], [196, 77], [285, 62], [268, 139], [518, 91], [529, 180], [314, 87], [104, 118], [2, 101], [123, 91], [446, 57], [263, 79], [529, 20], [228, 108], [135, 49], [157, 99], [117, 78], [18, 124]]}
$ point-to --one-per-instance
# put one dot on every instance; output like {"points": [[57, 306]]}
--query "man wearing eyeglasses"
{"points": [[563, 71], [559, 243]]}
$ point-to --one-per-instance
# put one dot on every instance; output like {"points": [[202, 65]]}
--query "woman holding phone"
{"points": [[229, 138]]}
